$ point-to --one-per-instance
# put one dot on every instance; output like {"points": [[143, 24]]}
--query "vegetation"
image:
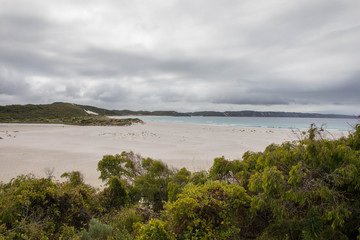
{"points": [[59, 113], [308, 189], [36, 112]]}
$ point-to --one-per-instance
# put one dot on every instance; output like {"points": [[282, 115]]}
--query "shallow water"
{"points": [[261, 122]]}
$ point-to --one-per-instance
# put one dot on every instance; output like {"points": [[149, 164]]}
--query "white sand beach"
{"points": [[40, 148]]}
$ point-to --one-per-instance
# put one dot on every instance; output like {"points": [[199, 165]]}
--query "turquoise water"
{"points": [[261, 122]]}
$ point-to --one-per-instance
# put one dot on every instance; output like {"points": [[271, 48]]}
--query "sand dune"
{"points": [[38, 149]]}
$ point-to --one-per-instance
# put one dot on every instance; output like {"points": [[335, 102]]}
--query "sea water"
{"points": [[342, 124]]}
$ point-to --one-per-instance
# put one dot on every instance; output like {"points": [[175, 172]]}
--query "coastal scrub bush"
{"points": [[177, 183], [215, 210], [145, 179], [308, 189], [152, 186], [126, 165], [115, 195], [37, 208], [154, 229], [224, 170], [97, 231], [75, 178], [124, 221], [26, 204], [200, 177]]}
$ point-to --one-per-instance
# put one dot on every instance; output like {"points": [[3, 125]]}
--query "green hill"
{"points": [[30, 111], [60, 110], [62, 113]]}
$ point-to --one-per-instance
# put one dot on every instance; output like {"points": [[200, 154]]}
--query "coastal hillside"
{"points": [[64, 110], [30, 111], [60, 113]]}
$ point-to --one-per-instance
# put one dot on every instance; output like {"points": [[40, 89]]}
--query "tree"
{"points": [[177, 183], [75, 178], [144, 178], [115, 195], [126, 165]]}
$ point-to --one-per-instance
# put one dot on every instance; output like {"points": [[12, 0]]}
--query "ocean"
{"points": [[261, 122]]}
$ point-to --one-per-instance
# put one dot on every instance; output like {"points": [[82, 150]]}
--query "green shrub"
{"points": [[146, 179], [154, 230], [212, 211], [75, 178], [115, 195], [177, 183], [34, 208], [97, 231], [68, 233]]}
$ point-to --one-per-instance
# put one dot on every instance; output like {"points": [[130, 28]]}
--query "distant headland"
{"points": [[70, 113]]}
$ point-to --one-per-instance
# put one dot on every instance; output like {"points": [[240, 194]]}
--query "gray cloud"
{"points": [[182, 55], [12, 83]]}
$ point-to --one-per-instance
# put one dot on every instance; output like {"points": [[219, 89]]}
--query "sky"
{"points": [[183, 55]]}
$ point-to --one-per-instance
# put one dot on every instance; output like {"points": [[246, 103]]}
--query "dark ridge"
{"points": [[208, 114], [60, 113], [30, 111], [284, 114], [65, 110]]}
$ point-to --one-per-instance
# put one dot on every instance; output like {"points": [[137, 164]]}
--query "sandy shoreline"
{"points": [[35, 148]]}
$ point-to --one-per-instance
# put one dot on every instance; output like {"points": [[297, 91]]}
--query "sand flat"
{"points": [[38, 148]]}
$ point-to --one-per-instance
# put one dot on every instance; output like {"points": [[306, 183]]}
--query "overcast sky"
{"points": [[185, 55]]}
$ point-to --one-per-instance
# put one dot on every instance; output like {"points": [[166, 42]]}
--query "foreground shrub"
{"points": [[306, 190], [97, 231], [154, 230], [124, 221], [177, 183], [38, 208], [145, 179], [309, 189], [115, 195], [211, 211]]}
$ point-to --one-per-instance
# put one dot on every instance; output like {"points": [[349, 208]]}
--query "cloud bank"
{"points": [[183, 55]]}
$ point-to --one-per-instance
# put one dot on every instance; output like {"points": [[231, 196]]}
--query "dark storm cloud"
{"points": [[11, 83], [288, 28], [258, 98], [21, 43], [186, 54], [100, 63], [107, 63], [346, 92], [30, 61], [22, 28]]}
